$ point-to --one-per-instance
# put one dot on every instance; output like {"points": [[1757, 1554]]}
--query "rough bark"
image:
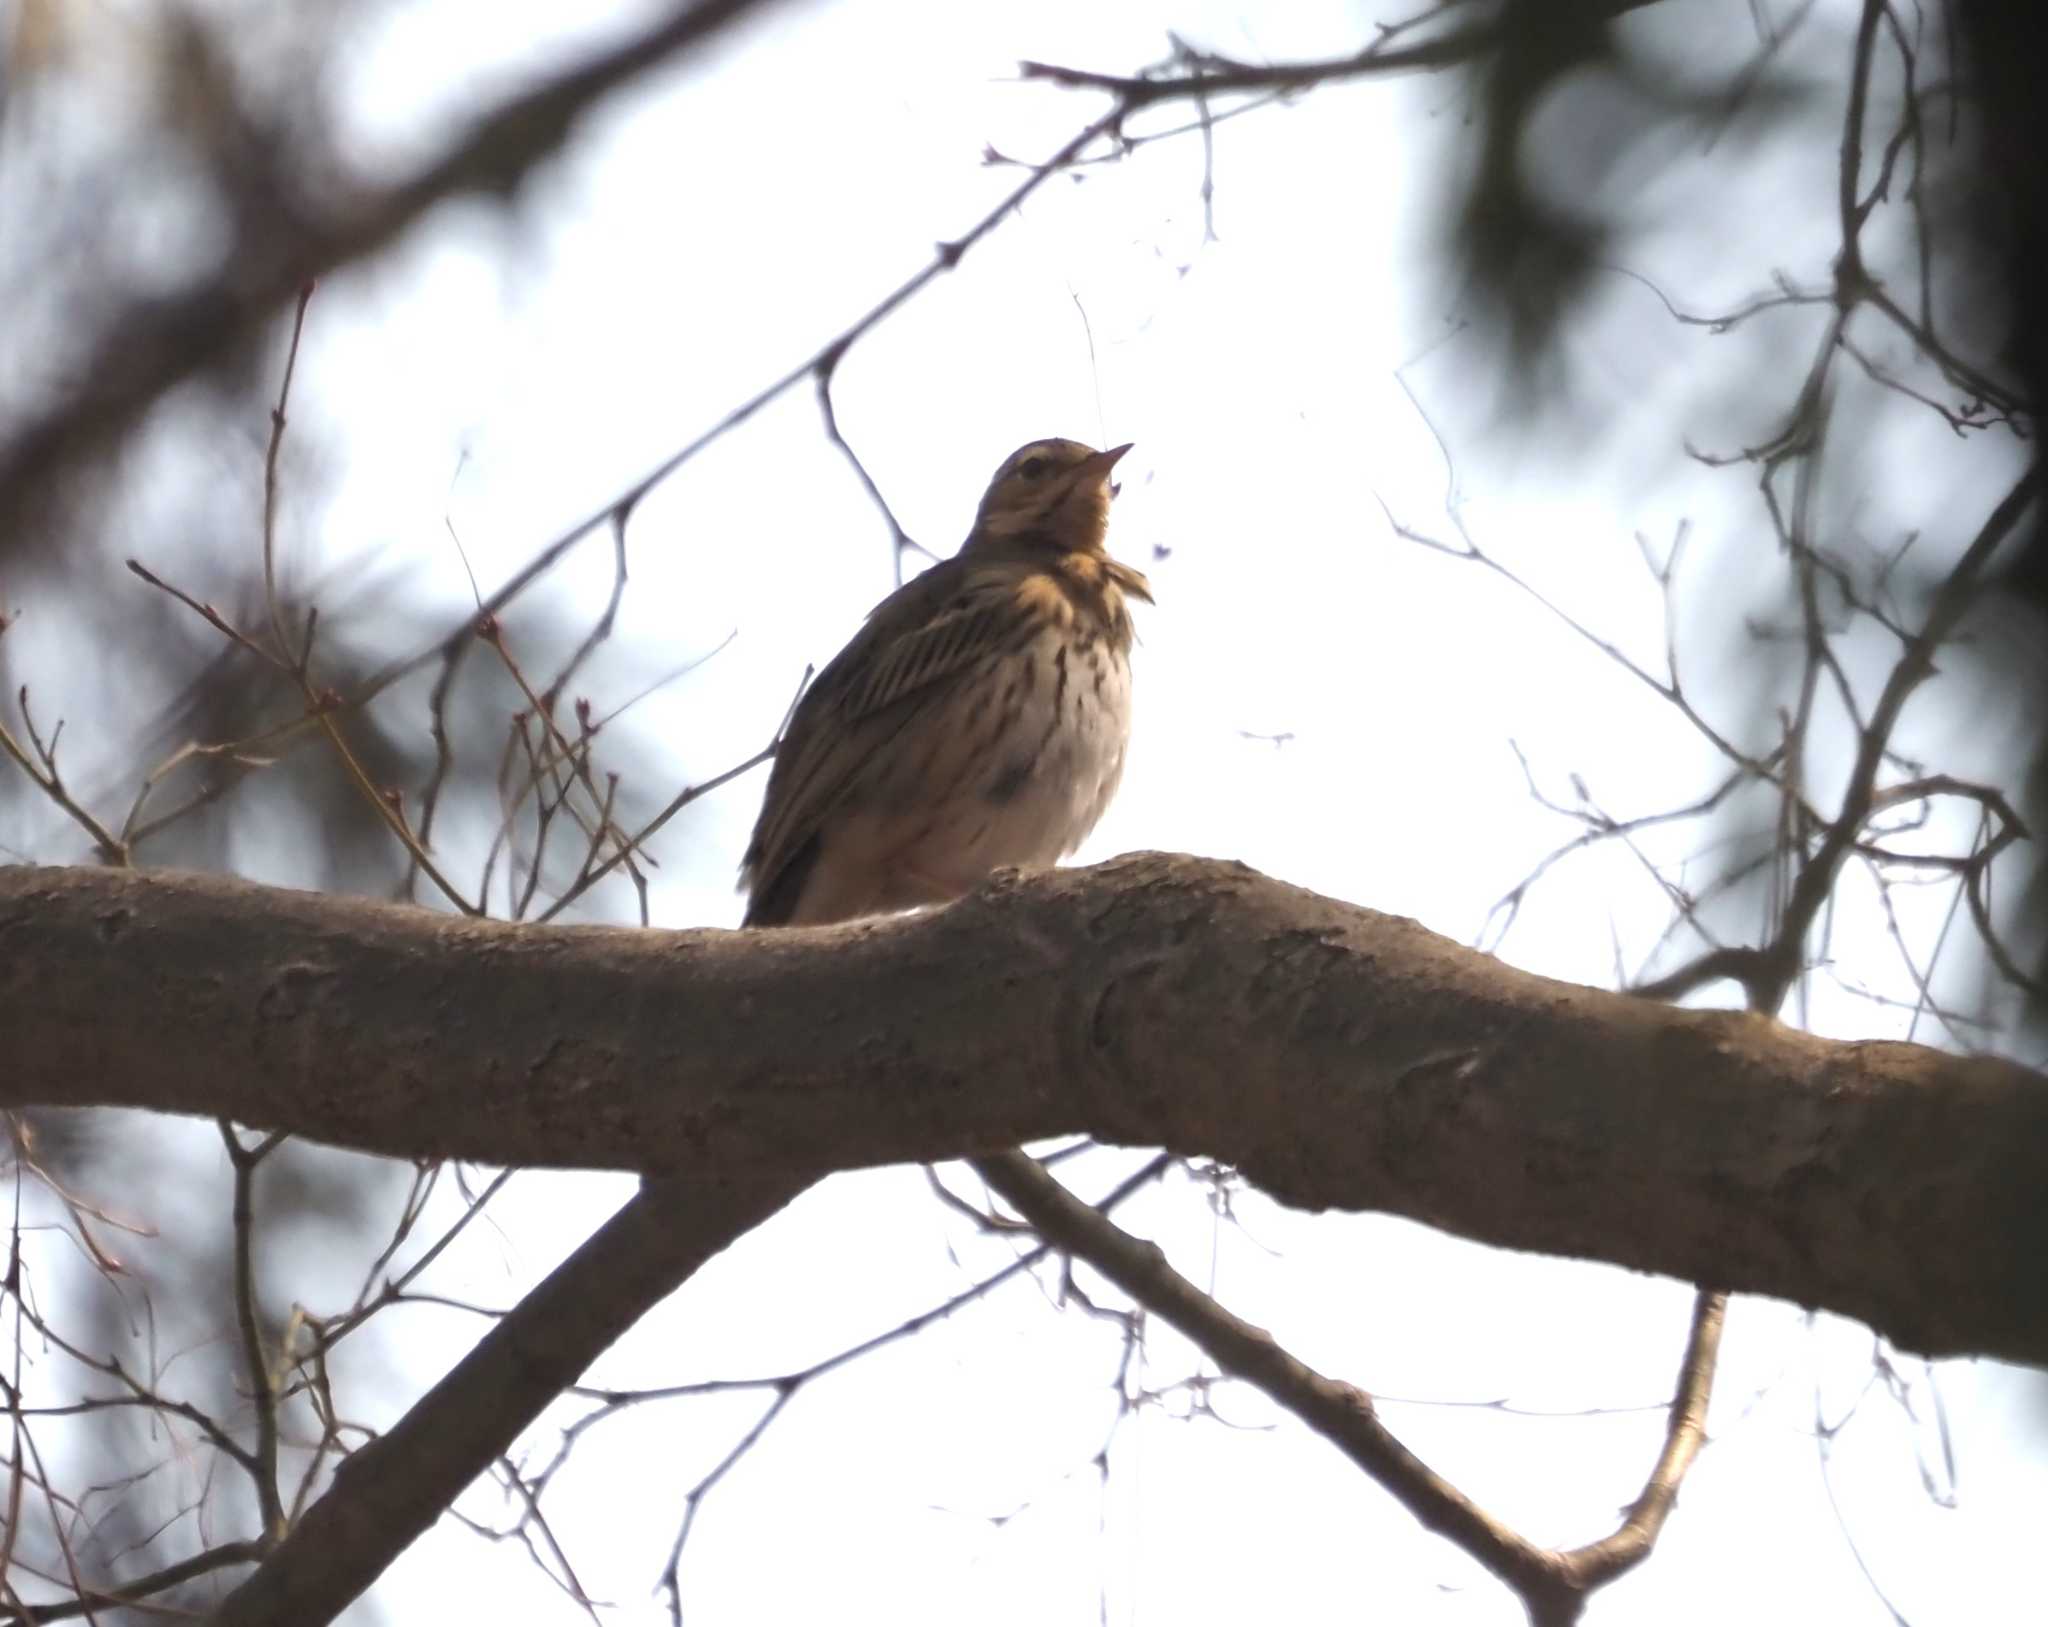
{"points": [[1339, 1057]]}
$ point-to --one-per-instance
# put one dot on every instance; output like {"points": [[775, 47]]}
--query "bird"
{"points": [[977, 719]]}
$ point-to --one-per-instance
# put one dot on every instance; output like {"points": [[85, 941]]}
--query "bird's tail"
{"points": [[774, 899]]}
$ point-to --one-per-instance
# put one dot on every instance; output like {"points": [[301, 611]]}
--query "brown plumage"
{"points": [[977, 719]]}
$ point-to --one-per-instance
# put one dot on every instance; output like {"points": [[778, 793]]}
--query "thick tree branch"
{"points": [[1341, 1058]]}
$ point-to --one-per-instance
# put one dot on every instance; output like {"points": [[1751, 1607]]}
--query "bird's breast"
{"points": [[1064, 730], [1036, 753]]}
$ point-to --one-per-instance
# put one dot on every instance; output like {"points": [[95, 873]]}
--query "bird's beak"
{"points": [[1098, 466]]}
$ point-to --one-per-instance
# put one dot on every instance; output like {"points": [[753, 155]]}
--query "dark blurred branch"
{"points": [[1337, 1056], [156, 342]]}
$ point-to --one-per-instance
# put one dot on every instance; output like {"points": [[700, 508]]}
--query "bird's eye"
{"points": [[1032, 468]]}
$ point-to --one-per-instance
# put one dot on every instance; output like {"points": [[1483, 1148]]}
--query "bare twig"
{"points": [[1552, 1583], [256, 1365], [386, 1493]]}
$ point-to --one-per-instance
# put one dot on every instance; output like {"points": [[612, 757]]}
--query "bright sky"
{"points": [[707, 233]]}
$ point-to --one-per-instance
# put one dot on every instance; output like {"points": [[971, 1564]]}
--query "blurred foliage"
{"points": [[2005, 46], [1570, 119]]}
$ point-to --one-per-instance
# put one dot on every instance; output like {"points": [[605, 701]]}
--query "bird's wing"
{"points": [[883, 682], [983, 618]]}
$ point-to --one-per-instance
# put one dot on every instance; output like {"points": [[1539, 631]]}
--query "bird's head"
{"points": [[1059, 490]]}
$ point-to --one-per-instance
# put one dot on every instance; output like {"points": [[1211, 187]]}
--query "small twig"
{"points": [[902, 542], [1339, 1412], [41, 768], [256, 1366], [1214, 75], [322, 705], [784, 1387], [116, 1594]]}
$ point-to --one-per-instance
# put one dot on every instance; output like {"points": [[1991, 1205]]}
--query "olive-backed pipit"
{"points": [[977, 719]]}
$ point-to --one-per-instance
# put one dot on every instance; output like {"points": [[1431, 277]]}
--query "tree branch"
{"points": [[1339, 1057], [390, 1491], [1552, 1583], [1341, 1413], [1389, 53]]}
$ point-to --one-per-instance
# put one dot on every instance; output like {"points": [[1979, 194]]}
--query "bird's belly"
{"points": [[1045, 764]]}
